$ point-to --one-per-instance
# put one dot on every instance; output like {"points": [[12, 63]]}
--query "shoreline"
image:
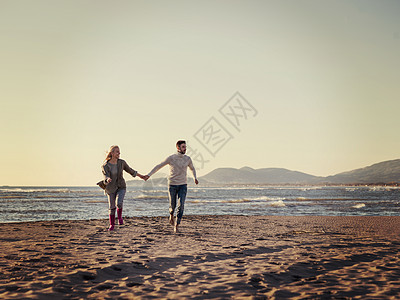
{"points": [[186, 216], [224, 256], [106, 220]]}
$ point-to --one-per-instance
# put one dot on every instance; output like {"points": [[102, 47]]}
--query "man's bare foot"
{"points": [[176, 228], [171, 219]]}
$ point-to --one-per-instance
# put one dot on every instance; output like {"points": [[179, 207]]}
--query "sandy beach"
{"points": [[239, 257]]}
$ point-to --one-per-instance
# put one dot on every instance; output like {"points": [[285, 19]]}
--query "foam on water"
{"points": [[359, 205], [33, 190], [383, 188], [278, 203], [263, 198], [144, 197], [236, 201]]}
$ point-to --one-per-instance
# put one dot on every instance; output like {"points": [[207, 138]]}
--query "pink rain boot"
{"points": [[112, 222], [119, 213]]}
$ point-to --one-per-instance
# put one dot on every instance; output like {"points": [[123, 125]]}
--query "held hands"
{"points": [[144, 177]]}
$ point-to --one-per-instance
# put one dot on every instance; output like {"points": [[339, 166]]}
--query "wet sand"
{"points": [[239, 257]]}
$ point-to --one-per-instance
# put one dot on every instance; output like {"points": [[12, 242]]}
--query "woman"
{"points": [[115, 188]]}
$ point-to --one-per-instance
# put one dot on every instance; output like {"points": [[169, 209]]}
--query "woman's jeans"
{"points": [[117, 197], [177, 191]]}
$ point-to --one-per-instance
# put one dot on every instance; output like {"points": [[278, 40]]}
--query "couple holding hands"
{"points": [[115, 186]]}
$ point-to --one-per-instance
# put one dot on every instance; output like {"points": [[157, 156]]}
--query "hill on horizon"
{"points": [[383, 172], [380, 173], [247, 175]]}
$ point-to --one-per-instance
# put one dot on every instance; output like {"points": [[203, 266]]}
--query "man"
{"points": [[177, 181]]}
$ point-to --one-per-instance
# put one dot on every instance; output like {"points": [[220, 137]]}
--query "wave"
{"points": [[278, 203], [22, 200], [359, 205], [41, 211], [95, 201], [236, 201], [35, 190], [264, 198], [383, 188], [149, 189], [310, 188], [227, 188], [149, 197], [269, 200], [202, 201]]}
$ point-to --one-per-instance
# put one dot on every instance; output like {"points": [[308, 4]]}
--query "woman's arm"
{"points": [[128, 169]]}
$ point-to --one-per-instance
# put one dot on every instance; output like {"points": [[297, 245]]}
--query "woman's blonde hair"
{"points": [[109, 155]]}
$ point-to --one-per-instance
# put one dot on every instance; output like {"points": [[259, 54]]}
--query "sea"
{"points": [[22, 204]]}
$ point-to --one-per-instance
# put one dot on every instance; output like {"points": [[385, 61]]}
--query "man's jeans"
{"points": [[177, 191], [118, 197]]}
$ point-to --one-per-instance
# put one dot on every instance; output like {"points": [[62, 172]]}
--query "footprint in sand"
{"points": [[144, 247], [105, 286], [85, 275], [133, 284]]}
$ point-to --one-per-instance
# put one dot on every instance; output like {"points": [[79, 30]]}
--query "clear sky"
{"points": [[76, 77]]}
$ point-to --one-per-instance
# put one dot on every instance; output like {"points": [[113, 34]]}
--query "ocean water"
{"points": [[20, 204]]}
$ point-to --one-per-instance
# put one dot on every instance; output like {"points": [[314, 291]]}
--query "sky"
{"points": [[311, 86]]}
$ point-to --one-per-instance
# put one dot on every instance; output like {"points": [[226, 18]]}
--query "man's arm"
{"points": [[191, 167], [158, 167]]}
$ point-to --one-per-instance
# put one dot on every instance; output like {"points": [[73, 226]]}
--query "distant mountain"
{"points": [[247, 175], [380, 173], [384, 172]]}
